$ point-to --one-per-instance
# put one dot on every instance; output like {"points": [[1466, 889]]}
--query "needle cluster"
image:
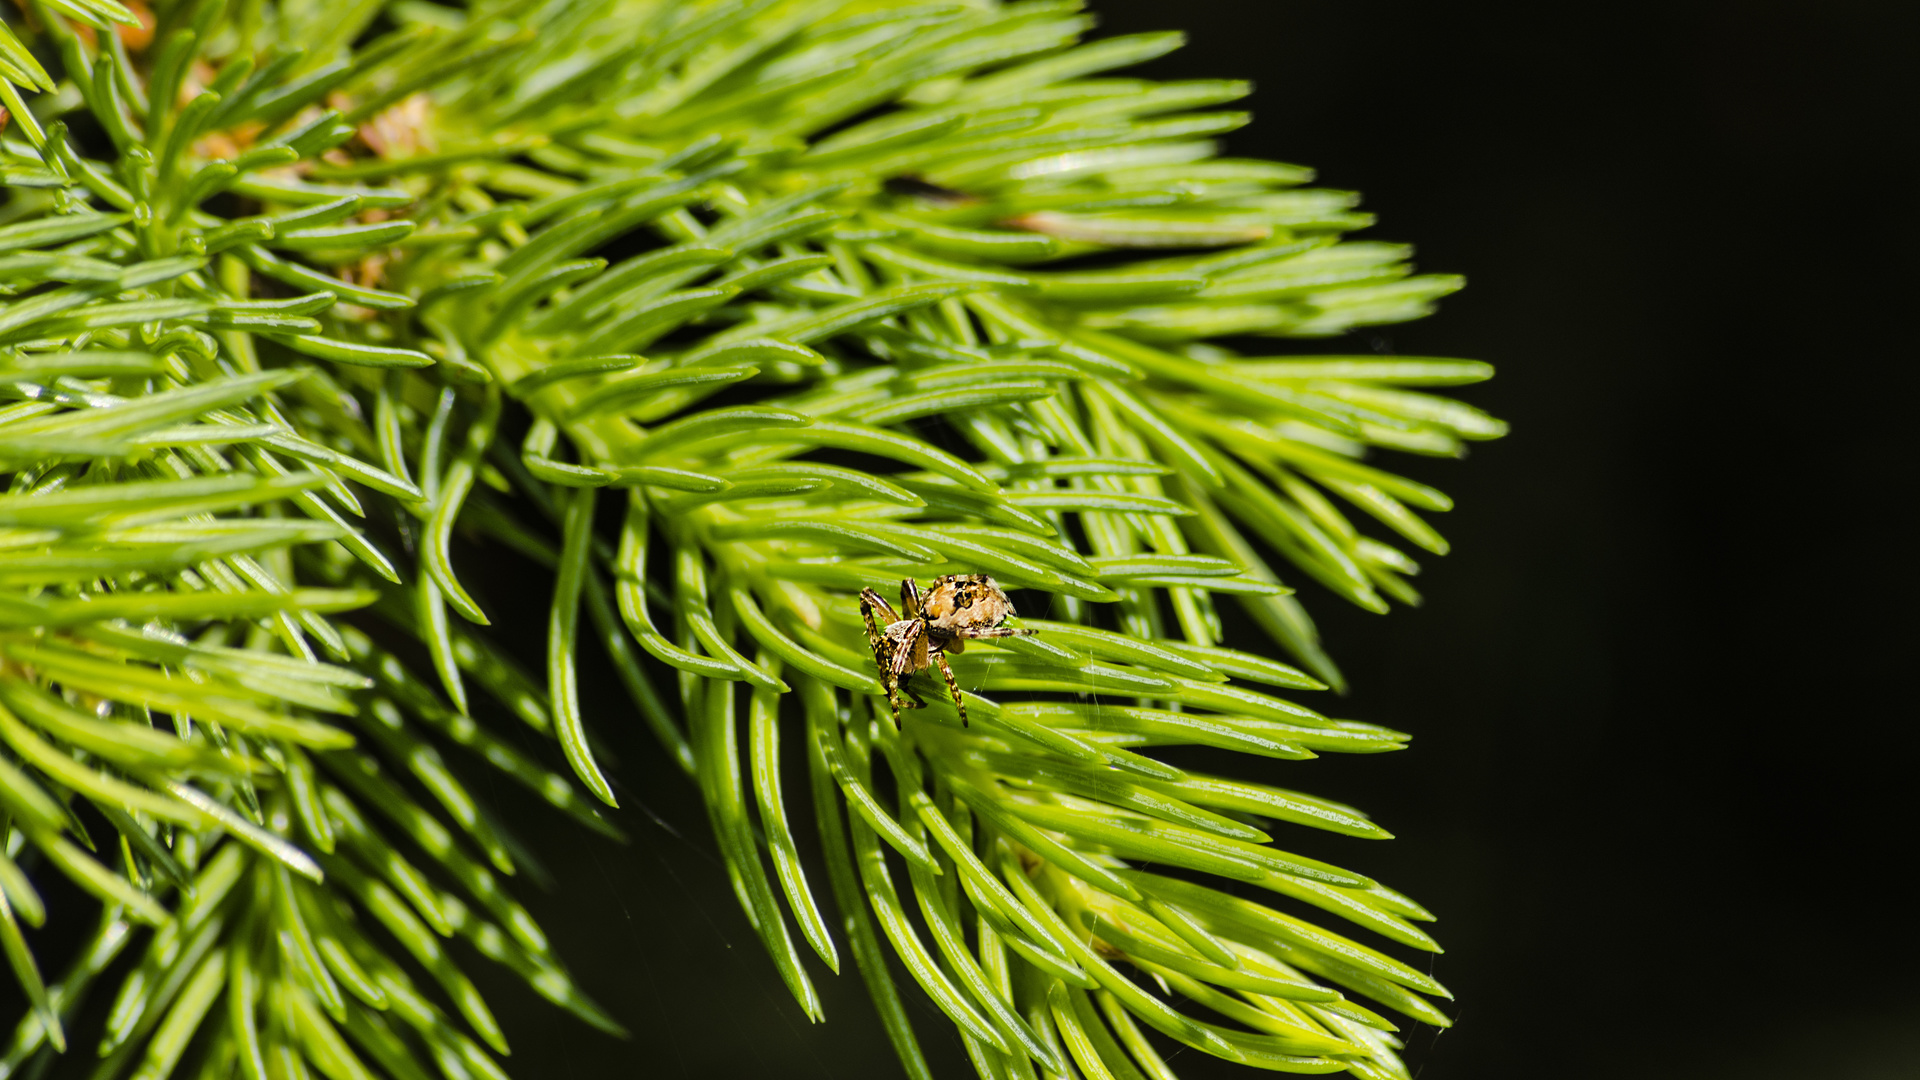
{"points": [[302, 299]]}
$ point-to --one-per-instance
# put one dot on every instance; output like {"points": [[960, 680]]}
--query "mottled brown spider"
{"points": [[958, 607]]}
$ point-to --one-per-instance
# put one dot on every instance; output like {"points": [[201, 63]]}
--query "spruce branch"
{"points": [[825, 296]]}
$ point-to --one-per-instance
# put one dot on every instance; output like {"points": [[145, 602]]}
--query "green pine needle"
{"points": [[835, 294]]}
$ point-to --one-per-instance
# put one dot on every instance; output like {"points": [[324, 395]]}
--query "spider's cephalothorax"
{"points": [[927, 627]]}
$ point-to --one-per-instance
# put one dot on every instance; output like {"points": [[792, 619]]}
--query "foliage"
{"points": [[825, 293]]}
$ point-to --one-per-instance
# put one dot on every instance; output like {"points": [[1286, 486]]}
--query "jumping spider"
{"points": [[958, 607]]}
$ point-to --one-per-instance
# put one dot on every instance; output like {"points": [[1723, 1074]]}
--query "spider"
{"points": [[958, 607]]}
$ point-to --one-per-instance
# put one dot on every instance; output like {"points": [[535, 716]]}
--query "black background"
{"points": [[1659, 791]]}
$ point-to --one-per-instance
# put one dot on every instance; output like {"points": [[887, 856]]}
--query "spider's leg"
{"points": [[870, 602], [910, 653], [996, 631], [910, 598], [893, 699], [953, 686], [885, 654], [909, 656]]}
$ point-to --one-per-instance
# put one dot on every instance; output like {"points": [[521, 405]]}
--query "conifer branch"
{"points": [[825, 295]]}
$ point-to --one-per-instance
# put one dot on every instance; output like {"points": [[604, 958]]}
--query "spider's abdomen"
{"points": [[966, 601]]}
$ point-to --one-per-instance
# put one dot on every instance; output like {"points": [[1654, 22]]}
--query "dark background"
{"points": [[1660, 782]]}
